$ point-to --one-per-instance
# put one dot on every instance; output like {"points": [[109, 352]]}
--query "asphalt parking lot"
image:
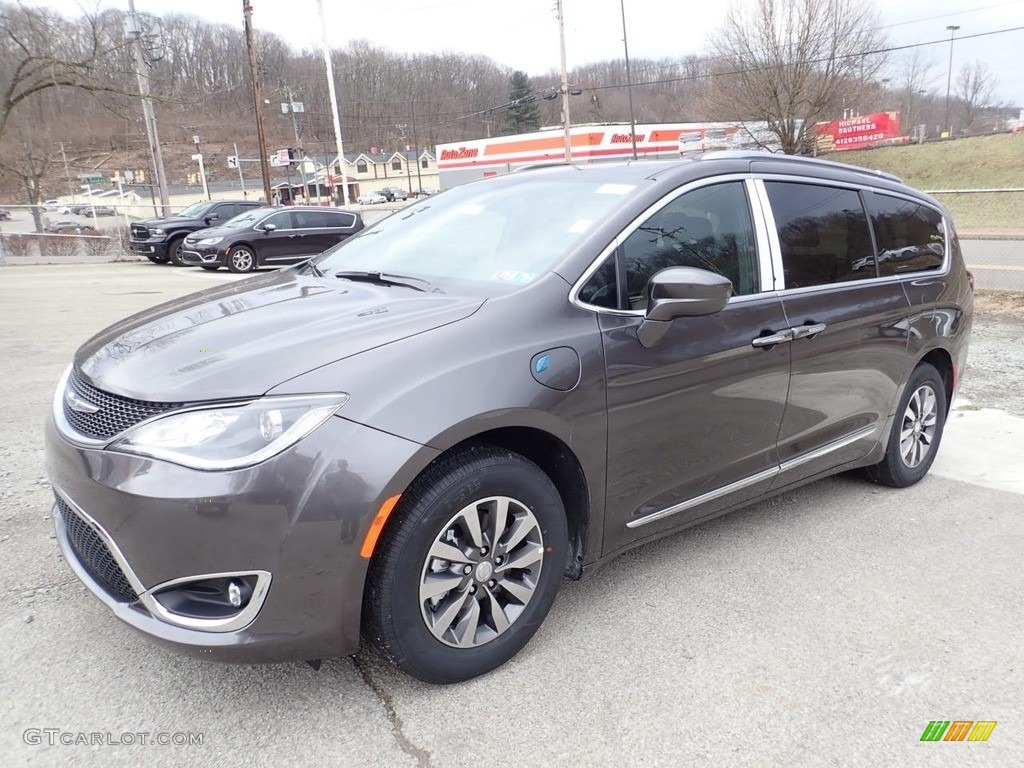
{"points": [[826, 627]]}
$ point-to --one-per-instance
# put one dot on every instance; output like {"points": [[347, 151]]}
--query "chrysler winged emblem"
{"points": [[78, 403]]}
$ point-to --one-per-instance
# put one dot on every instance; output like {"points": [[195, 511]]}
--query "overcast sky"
{"points": [[524, 33]]}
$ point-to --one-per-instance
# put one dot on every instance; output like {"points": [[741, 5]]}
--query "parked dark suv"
{"points": [[160, 240], [270, 237], [415, 436]]}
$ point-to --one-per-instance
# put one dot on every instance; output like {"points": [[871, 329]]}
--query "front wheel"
{"points": [[174, 249], [242, 259], [470, 566], [916, 430]]}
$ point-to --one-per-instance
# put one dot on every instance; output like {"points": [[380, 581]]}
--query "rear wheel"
{"points": [[470, 566], [174, 249], [916, 430], [242, 259]]}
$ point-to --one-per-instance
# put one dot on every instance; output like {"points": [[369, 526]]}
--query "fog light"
{"points": [[235, 594]]}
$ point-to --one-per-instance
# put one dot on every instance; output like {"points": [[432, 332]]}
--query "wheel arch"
{"points": [[555, 459], [940, 359]]}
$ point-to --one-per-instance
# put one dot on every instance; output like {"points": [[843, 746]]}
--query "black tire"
{"points": [[210, 267], [174, 248], [914, 441], [396, 614], [242, 259], [156, 259]]}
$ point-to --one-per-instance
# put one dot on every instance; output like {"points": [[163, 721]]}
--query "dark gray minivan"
{"points": [[415, 436]]}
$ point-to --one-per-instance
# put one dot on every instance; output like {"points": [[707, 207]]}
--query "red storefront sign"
{"points": [[858, 132]]}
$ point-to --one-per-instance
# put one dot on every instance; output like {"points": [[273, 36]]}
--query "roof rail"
{"points": [[761, 155]]}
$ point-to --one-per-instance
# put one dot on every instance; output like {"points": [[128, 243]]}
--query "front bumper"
{"points": [[198, 255], [299, 518], [156, 248]]}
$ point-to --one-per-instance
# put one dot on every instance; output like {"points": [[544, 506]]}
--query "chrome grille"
{"points": [[115, 414], [94, 555]]}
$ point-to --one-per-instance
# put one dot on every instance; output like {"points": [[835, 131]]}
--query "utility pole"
{"points": [[133, 27], [949, 77], [566, 123], [629, 79], [298, 140], [202, 168], [416, 149], [257, 99], [334, 104]]}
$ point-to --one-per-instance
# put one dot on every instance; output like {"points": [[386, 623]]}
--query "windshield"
{"points": [[510, 232], [195, 210], [246, 219]]}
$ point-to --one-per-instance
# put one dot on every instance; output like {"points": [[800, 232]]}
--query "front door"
{"points": [[693, 420]]}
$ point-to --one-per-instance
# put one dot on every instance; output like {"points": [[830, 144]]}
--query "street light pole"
{"points": [[202, 168], [566, 122], [949, 77], [334, 103], [629, 79]]}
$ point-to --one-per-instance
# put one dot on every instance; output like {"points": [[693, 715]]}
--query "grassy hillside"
{"points": [[984, 162]]}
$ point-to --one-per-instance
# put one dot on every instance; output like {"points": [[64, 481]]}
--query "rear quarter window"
{"points": [[909, 234]]}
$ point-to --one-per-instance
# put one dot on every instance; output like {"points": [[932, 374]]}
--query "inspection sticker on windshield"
{"points": [[615, 189], [511, 276]]}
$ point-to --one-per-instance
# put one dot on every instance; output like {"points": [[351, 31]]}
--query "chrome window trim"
{"points": [[646, 214], [773, 232], [767, 474]]}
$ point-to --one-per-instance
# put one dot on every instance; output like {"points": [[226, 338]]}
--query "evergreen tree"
{"points": [[523, 116]]}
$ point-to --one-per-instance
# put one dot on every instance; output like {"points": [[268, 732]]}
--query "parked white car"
{"points": [[371, 198]]}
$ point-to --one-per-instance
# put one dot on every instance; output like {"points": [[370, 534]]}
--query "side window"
{"points": [[225, 212], [282, 220], [361, 166], [708, 228], [909, 235], [823, 232], [307, 219], [396, 165], [337, 219]]}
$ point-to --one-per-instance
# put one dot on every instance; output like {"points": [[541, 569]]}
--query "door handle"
{"points": [[807, 331], [773, 338]]}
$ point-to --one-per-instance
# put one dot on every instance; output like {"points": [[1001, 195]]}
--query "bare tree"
{"points": [[41, 50], [786, 62], [913, 76], [975, 88]]}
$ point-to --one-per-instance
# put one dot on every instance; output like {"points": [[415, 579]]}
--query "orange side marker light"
{"points": [[378, 525]]}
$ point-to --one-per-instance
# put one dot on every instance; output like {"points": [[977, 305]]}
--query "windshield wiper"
{"points": [[384, 278]]}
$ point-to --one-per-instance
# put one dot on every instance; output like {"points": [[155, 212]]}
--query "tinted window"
{"points": [[909, 235], [308, 219], [338, 219], [709, 228], [823, 232], [224, 212], [282, 220]]}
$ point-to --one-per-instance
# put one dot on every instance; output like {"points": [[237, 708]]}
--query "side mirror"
{"points": [[268, 228], [211, 217], [681, 292]]}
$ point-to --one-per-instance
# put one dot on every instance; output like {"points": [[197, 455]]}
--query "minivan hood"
{"points": [[199, 234], [245, 338]]}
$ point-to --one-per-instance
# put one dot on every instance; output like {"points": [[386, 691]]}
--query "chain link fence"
{"points": [[83, 234], [991, 227]]}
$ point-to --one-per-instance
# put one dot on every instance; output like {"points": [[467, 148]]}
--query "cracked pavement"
{"points": [[825, 627]]}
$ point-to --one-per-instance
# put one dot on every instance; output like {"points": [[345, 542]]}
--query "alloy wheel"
{"points": [[481, 571], [919, 423]]}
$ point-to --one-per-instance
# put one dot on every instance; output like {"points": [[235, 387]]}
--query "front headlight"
{"points": [[209, 241], [158, 231], [231, 437]]}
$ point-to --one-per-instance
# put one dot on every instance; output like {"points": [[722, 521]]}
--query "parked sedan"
{"points": [[371, 198], [269, 237]]}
